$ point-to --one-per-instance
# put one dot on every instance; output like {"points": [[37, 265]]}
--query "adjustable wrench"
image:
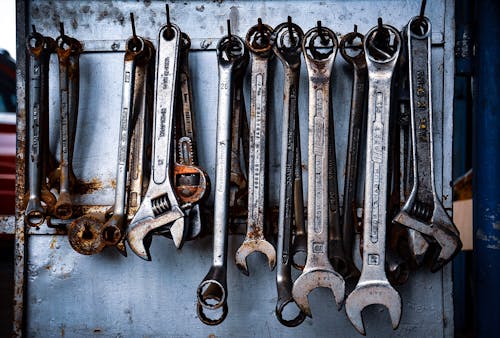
{"points": [[287, 43], [68, 51], [191, 182], [318, 271], [212, 291], [373, 286], [355, 56], [39, 48], [259, 43], [423, 211], [159, 206]]}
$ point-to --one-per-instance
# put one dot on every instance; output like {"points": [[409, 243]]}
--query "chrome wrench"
{"points": [[159, 206], [212, 291], [318, 271], [287, 43], [259, 43], [423, 211], [39, 47], [373, 286]]}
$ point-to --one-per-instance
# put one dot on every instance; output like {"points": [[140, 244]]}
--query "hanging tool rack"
{"points": [[60, 292]]}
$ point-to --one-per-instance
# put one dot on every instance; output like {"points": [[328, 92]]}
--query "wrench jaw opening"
{"points": [[64, 206], [84, 235], [112, 231], [35, 212], [373, 292], [299, 251], [317, 278], [212, 295], [250, 246], [287, 302]]}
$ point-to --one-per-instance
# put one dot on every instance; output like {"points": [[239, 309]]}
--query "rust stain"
{"points": [[88, 187], [112, 183], [53, 242]]}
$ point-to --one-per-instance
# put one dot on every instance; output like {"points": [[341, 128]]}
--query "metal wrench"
{"points": [[373, 286], [259, 43], [159, 206], [212, 291], [355, 56], [287, 43], [423, 211], [68, 51], [39, 48], [318, 271]]}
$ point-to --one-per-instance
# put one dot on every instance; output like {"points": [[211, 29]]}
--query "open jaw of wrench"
{"points": [[191, 182], [318, 271], [259, 43], [373, 286], [351, 49], [423, 211], [68, 52], [287, 44], [212, 291], [159, 206], [39, 48]]}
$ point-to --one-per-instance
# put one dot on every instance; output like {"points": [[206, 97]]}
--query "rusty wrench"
{"points": [[318, 271], [259, 43], [423, 211], [212, 291], [373, 286], [159, 206]]}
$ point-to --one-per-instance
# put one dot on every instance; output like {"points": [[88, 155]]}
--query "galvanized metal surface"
{"points": [[109, 295]]}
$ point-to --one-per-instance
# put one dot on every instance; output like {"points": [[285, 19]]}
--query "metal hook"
{"points": [[132, 22], [61, 28], [229, 28], [422, 9], [259, 25], [34, 29], [355, 29], [321, 33], [290, 30], [380, 24]]}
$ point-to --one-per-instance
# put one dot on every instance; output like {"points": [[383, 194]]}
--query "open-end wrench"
{"points": [[423, 211], [191, 182], [351, 49], [373, 286], [259, 43], [68, 51], [39, 48], [136, 52], [287, 42], [159, 206], [318, 271], [212, 291]]}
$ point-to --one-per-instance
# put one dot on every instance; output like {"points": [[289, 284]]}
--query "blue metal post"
{"points": [[486, 164]]}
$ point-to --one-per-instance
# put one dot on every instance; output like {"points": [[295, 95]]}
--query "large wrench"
{"points": [[259, 43], [68, 51], [287, 43], [212, 291], [318, 271], [39, 48], [355, 56], [423, 211], [159, 206], [373, 286]]}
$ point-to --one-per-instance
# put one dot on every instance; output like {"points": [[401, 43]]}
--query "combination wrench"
{"points": [[68, 51], [423, 211], [287, 43], [212, 291], [373, 286], [259, 43], [39, 48], [318, 271], [354, 55], [160, 207]]}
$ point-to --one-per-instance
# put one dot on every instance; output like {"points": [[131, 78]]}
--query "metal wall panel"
{"points": [[109, 295]]}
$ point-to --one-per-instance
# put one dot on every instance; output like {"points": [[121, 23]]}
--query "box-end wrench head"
{"points": [[373, 286], [318, 271], [259, 43]]}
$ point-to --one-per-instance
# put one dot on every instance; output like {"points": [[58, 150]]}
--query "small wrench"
{"points": [[287, 42], [318, 271], [354, 55], [212, 291], [39, 48], [423, 211], [373, 286], [259, 43], [68, 51], [159, 206]]}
